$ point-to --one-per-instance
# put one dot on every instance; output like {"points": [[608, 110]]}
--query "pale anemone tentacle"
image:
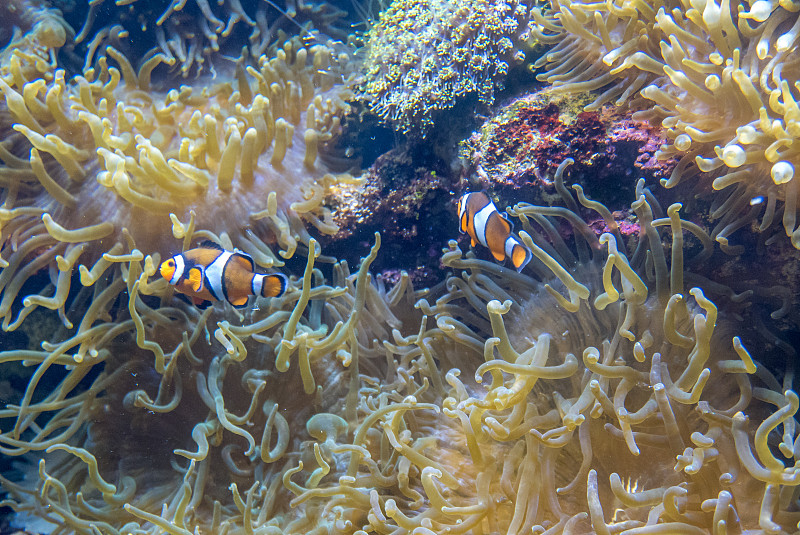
{"points": [[718, 76], [103, 160], [401, 437], [180, 380]]}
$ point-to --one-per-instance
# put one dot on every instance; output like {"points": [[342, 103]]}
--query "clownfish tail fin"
{"points": [[519, 254], [274, 285]]}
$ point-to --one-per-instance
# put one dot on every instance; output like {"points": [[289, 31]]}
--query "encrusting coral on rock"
{"points": [[720, 77], [425, 57], [516, 150], [406, 196]]}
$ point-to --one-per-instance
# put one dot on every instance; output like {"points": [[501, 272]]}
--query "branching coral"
{"points": [[98, 167], [424, 57], [719, 76]]}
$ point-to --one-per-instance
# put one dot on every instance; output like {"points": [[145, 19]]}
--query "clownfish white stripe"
{"points": [[179, 267], [257, 284], [480, 221], [214, 274]]}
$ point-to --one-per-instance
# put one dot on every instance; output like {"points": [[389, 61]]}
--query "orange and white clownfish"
{"points": [[479, 218], [210, 273]]}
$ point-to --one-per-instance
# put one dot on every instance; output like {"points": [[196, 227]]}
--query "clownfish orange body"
{"points": [[479, 218], [210, 273]]}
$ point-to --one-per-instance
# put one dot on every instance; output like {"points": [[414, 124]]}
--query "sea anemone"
{"points": [[602, 372], [718, 76], [99, 166], [192, 34], [161, 427], [31, 27], [599, 395], [425, 57]]}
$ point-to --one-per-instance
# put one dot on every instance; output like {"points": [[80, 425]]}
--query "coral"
{"points": [[424, 57], [514, 151], [406, 196], [720, 77], [98, 167]]}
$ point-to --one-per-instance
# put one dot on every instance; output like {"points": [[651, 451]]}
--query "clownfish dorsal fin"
{"points": [[195, 278], [504, 215], [211, 245], [246, 257]]}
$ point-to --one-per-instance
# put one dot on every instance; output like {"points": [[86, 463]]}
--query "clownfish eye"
{"points": [[171, 263]]}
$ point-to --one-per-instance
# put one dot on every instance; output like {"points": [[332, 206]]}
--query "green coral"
{"points": [[426, 56]]}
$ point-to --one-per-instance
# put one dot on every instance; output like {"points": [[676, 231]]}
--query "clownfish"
{"points": [[479, 218], [210, 273]]}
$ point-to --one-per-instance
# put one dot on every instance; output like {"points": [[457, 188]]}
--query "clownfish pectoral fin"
{"points": [[473, 241], [195, 278], [202, 304], [274, 285]]}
